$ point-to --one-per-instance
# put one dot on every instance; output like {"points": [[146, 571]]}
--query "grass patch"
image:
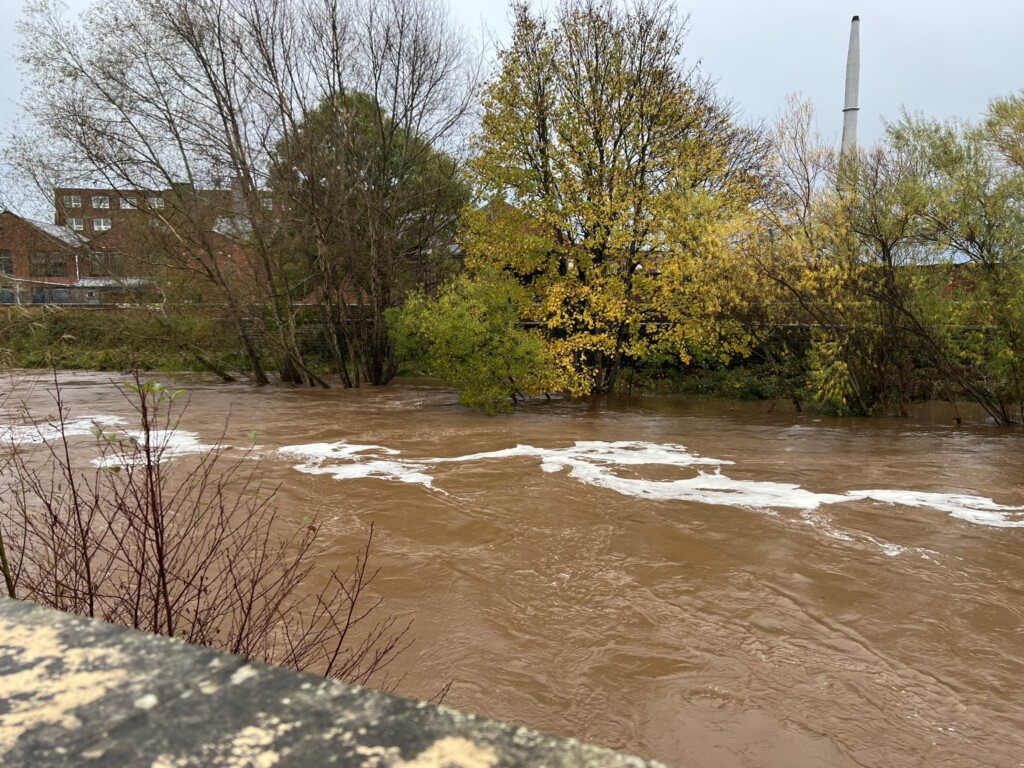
{"points": [[110, 339]]}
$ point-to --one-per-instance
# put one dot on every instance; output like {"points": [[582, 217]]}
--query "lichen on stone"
{"points": [[36, 696]]}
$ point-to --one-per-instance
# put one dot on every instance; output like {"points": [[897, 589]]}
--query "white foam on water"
{"points": [[170, 443], [632, 452], [346, 461], [623, 453], [46, 432], [596, 463], [705, 488], [974, 509], [827, 527], [339, 450], [167, 444]]}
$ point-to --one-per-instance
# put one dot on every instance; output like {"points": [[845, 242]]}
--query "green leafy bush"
{"points": [[471, 337]]}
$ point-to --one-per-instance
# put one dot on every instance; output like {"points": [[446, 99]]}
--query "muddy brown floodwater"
{"points": [[706, 583]]}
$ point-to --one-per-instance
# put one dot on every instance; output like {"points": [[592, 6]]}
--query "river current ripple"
{"points": [[705, 583]]}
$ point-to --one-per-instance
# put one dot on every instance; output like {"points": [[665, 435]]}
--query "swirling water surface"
{"points": [[705, 583]]}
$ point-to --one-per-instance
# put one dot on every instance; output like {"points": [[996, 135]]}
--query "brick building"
{"points": [[90, 212], [43, 263], [39, 262], [90, 254], [104, 245]]}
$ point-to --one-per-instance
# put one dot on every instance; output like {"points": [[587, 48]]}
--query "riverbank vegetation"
{"points": [[118, 339], [612, 222], [657, 234], [301, 150], [187, 546]]}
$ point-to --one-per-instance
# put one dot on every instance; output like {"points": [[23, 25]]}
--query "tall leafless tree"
{"points": [[198, 95]]}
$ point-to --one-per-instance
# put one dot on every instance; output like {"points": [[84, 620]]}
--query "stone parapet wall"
{"points": [[78, 692]]}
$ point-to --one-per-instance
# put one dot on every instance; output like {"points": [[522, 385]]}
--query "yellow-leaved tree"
{"points": [[613, 183]]}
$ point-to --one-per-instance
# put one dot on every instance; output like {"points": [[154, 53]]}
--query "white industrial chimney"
{"points": [[852, 88]]}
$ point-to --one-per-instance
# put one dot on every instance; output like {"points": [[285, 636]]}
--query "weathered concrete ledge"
{"points": [[77, 692]]}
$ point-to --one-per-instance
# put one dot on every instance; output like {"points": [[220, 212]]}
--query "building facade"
{"points": [[89, 212], [111, 246], [58, 263], [92, 252], [40, 263]]}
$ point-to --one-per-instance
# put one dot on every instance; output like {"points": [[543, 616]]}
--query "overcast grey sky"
{"points": [[946, 58]]}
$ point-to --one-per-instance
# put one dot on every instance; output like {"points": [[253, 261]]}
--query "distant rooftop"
{"points": [[61, 233]]}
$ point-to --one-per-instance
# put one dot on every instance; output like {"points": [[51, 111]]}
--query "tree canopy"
{"points": [[616, 184], [373, 207], [195, 96]]}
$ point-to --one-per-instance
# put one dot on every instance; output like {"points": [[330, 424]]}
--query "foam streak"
{"points": [[597, 463]]}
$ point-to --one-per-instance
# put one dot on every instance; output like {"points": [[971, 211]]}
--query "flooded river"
{"points": [[704, 583]]}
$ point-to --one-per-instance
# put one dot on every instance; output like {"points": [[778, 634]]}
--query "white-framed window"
{"points": [[267, 203], [76, 223], [156, 202], [6, 263], [100, 225], [101, 201], [129, 203], [72, 201]]}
